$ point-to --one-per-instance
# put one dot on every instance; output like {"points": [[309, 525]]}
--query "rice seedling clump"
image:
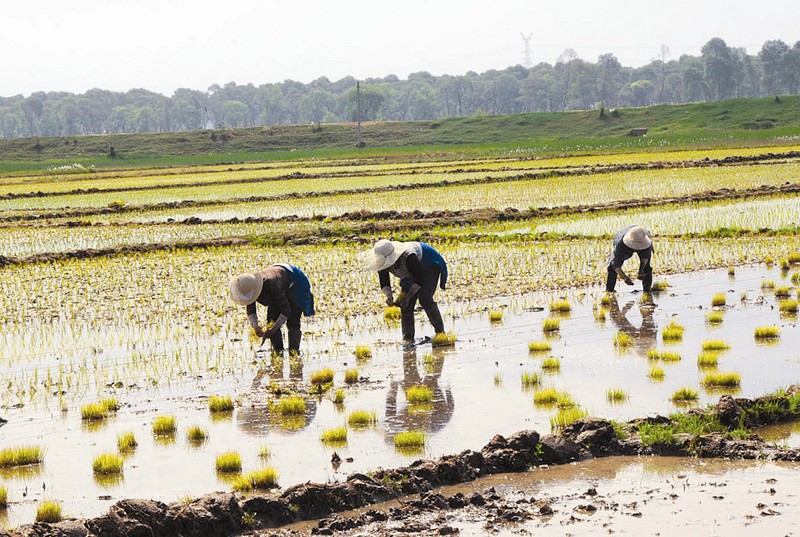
{"points": [[266, 478], [363, 352], [616, 395], [623, 340], [323, 376], [715, 345], [290, 405], [228, 463], [788, 306], [443, 340], [560, 306], [338, 396], [495, 316], [551, 364], [767, 332], [409, 439], [21, 456], [672, 332], [337, 435], [656, 373], [539, 346], [727, 380], [264, 452], [218, 403], [545, 396], [351, 376], [48, 512], [107, 464], [530, 380], [420, 394], [715, 317], [783, 291], [164, 425], [551, 325], [718, 300], [685, 394], [126, 442], [707, 359], [391, 313], [566, 416], [196, 434], [362, 418], [664, 356], [3, 497]]}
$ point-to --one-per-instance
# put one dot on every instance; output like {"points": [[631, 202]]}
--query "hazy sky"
{"points": [[161, 45]]}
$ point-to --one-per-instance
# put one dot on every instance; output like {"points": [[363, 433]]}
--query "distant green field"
{"points": [[722, 123]]}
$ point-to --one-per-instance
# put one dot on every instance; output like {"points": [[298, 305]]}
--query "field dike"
{"points": [[222, 514]]}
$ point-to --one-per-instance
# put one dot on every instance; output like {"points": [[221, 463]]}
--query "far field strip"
{"points": [[115, 181], [759, 215]]}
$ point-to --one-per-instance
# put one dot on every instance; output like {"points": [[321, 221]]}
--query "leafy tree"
{"points": [[718, 68]]}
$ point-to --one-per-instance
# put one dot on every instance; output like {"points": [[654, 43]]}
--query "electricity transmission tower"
{"points": [[527, 59]]}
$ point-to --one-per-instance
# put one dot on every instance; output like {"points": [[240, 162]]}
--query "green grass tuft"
{"points": [[48, 512], [715, 317], [290, 405], [126, 442], [685, 394], [539, 346], [623, 340], [495, 316], [323, 376], [551, 364], [409, 439], [656, 373], [727, 379], [351, 376], [3, 497], [529, 380], [218, 403], [338, 396], [443, 340], [767, 332], [337, 435], [672, 332], [560, 306], [715, 345], [566, 416], [551, 325], [616, 395], [196, 434], [718, 300], [419, 394], [363, 352], [21, 456], [708, 359], [362, 418], [164, 425], [391, 313]]}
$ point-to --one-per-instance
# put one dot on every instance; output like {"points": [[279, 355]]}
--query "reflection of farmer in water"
{"points": [[257, 418], [286, 292], [644, 337], [400, 416]]}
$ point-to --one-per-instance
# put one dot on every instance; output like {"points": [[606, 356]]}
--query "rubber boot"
{"points": [[295, 335], [647, 282], [407, 324], [435, 317], [611, 280], [277, 341]]}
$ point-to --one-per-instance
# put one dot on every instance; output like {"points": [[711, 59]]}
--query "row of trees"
{"points": [[720, 72]]}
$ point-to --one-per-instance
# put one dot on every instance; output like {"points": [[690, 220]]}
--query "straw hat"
{"points": [[246, 287], [637, 238], [383, 255]]}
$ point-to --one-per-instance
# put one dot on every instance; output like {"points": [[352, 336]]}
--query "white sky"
{"points": [[161, 45]]}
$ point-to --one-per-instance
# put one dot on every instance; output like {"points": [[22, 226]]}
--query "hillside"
{"points": [[688, 124]]}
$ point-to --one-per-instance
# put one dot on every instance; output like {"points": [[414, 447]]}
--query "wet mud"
{"points": [[221, 514]]}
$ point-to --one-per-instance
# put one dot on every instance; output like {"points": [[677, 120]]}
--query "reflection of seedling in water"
{"points": [[48, 512], [622, 340], [362, 418], [391, 313], [684, 394], [715, 317], [656, 373], [21, 456], [220, 403], [409, 440], [726, 380], [715, 345], [164, 425], [495, 316], [107, 464], [229, 463], [767, 332], [196, 435], [363, 352], [416, 395], [351, 376], [566, 416], [539, 347], [126, 442], [337, 435], [707, 359], [443, 340], [718, 300], [551, 365], [672, 332], [616, 395], [530, 380], [664, 356], [551, 325]]}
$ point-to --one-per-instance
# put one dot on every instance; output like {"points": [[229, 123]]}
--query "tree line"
{"points": [[720, 72]]}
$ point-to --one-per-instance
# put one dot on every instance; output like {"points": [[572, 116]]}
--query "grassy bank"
{"points": [[728, 122]]}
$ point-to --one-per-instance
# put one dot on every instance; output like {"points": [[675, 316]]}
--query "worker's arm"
{"points": [[386, 287]]}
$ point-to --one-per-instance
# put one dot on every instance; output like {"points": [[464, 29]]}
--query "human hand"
{"points": [[628, 280]]}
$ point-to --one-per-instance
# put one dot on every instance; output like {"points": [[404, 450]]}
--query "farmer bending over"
{"points": [[285, 291], [419, 268], [627, 241]]}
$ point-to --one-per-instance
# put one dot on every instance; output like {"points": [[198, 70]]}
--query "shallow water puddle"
{"points": [[476, 384]]}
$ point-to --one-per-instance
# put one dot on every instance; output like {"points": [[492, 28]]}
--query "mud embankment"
{"points": [[222, 514]]}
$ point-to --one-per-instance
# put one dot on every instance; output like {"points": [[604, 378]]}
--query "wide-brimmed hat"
{"points": [[383, 255], [637, 238], [246, 287]]}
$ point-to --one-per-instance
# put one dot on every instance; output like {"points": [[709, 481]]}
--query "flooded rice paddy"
{"points": [[476, 385]]}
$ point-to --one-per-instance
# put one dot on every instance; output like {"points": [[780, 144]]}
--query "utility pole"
{"points": [[527, 58], [360, 142]]}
